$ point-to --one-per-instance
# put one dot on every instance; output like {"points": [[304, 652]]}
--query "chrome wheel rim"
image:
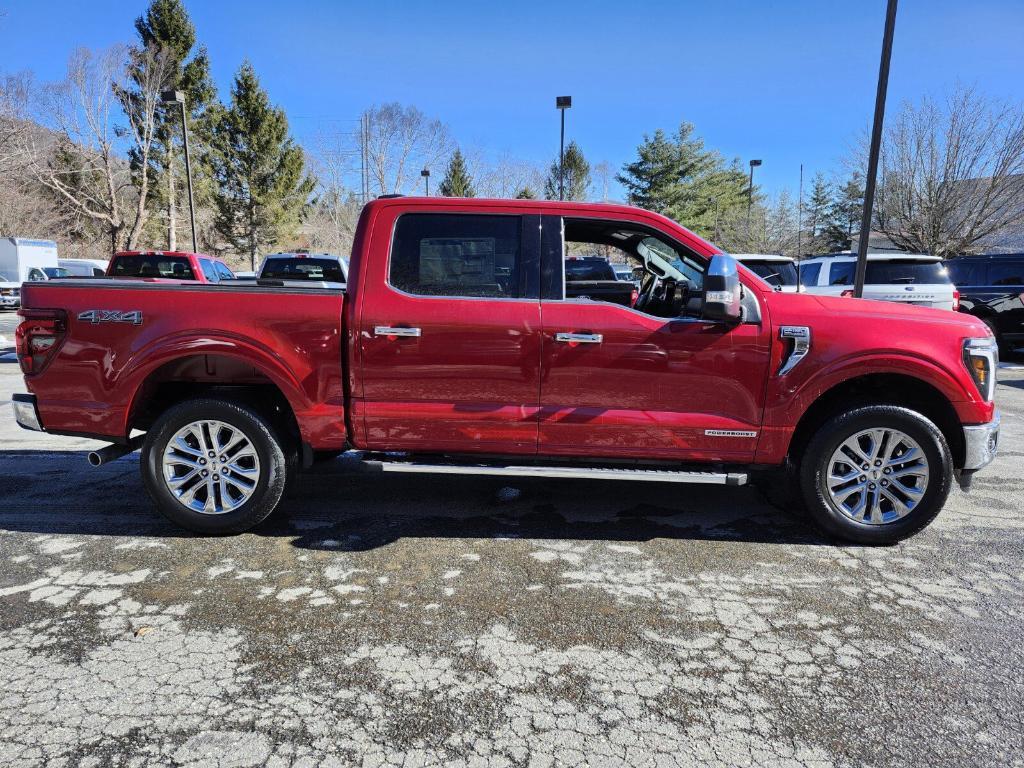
{"points": [[211, 467], [877, 476]]}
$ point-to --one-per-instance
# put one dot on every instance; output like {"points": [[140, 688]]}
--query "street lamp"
{"points": [[750, 190], [562, 103], [178, 97], [425, 173]]}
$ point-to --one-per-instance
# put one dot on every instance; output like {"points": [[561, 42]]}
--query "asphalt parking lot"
{"points": [[438, 621]]}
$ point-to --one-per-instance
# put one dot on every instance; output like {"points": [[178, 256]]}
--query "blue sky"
{"points": [[787, 82]]}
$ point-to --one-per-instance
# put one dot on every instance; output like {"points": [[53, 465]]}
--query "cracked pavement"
{"points": [[444, 621]]}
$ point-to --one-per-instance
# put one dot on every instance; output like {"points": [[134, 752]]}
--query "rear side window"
{"points": [[153, 265], [809, 273], [841, 272], [457, 255], [1006, 273], [773, 272], [208, 271], [966, 272]]}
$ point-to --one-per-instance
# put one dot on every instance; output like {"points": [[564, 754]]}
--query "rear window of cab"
{"points": [[152, 265]]}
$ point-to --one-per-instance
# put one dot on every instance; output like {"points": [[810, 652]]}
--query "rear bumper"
{"points": [[981, 442], [26, 412]]}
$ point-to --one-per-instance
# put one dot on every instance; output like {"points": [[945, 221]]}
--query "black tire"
{"points": [[274, 466], [814, 471]]}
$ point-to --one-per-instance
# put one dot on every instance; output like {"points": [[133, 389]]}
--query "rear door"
{"points": [[449, 332]]}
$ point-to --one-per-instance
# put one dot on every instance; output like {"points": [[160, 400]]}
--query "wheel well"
{"points": [[881, 389], [213, 376]]}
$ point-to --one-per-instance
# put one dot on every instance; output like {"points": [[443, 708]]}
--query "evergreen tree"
{"points": [[844, 215], [576, 179], [817, 212], [262, 188], [457, 182], [678, 177], [526, 193], [166, 29]]}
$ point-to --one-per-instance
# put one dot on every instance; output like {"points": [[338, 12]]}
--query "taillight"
{"points": [[39, 337], [956, 301]]}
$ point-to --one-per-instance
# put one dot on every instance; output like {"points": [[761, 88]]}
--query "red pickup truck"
{"points": [[453, 349], [169, 265]]}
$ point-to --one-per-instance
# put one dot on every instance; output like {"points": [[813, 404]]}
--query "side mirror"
{"points": [[722, 291]]}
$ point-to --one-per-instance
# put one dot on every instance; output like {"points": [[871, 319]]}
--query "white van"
{"points": [[84, 267], [21, 261], [778, 271], [907, 278]]}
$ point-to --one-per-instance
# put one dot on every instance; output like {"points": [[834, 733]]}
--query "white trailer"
{"points": [[23, 260]]}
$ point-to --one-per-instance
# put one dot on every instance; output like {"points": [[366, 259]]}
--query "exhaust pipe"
{"points": [[114, 451]]}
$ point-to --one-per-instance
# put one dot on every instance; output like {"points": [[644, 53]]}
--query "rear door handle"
{"points": [[387, 330], [579, 338]]}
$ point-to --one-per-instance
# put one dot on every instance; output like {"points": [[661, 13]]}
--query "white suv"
{"points": [[907, 278]]}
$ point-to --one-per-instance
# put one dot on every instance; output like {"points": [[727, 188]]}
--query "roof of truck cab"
{"points": [[875, 257]]}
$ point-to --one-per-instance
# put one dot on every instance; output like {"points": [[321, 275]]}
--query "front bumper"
{"points": [[26, 413], [981, 442]]}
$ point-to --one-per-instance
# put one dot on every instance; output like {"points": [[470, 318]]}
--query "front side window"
{"points": [[457, 255], [208, 271], [223, 272], [1007, 273]]}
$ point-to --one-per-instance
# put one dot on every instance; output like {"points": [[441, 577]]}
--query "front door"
{"points": [[449, 335], [619, 382]]}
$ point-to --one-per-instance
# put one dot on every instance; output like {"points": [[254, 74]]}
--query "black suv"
{"points": [[992, 289]]}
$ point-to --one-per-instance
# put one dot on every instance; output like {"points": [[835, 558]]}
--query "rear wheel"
{"points": [[876, 475], [214, 466]]}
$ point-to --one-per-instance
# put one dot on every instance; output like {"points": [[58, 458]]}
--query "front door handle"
{"points": [[387, 330], [579, 338]]}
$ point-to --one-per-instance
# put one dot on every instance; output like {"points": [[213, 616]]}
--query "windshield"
{"points": [[52, 272], [773, 272], [327, 270], [588, 269], [152, 265]]}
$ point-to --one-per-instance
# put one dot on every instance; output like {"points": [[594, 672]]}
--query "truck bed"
{"points": [[124, 336]]}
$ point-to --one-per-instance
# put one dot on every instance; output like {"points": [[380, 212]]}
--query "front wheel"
{"points": [[213, 466], [876, 475]]}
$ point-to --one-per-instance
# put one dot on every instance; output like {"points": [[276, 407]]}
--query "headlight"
{"points": [[981, 356]]}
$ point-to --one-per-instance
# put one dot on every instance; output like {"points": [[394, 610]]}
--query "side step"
{"points": [[585, 473]]}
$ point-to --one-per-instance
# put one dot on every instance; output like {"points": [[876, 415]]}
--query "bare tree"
{"points": [[770, 228], [401, 141], [84, 168], [330, 224], [950, 176], [503, 178]]}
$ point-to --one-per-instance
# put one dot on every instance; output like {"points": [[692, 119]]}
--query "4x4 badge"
{"points": [[94, 316]]}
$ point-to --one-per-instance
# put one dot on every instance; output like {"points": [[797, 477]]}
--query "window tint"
{"points": [[1006, 272], [153, 265], [97, 272], [290, 268], [208, 271], [223, 272], [588, 269], [773, 272], [841, 273], [457, 255], [966, 271], [906, 271], [809, 273]]}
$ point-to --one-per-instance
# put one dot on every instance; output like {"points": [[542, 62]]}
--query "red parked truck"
{"points": [[169, 265], [453, 349]]}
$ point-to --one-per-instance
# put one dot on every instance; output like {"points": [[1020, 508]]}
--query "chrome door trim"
{"points": [[387, 330]]}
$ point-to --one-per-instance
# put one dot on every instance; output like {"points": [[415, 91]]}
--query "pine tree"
{"points": [[457, 182], [166, 28], [678, 177], [262, 188], [817, 212], [576, 178], [844, 215], [526, 193]]}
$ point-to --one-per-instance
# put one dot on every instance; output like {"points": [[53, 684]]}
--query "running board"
{"points": [[585, 473]]}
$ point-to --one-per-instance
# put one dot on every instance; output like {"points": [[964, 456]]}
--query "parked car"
{"points": [[85, 267], [23, 260], [916, 279], [454, 349], [992, 289], [780, 272], [169, 265], [592, 277], [317, 267]]}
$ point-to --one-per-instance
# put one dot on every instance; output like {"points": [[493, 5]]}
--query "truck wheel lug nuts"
{"points": [[878, 463], [211, 454], [216, 477], [205, 473], [202, 462], [863, 479], [871, 486]]}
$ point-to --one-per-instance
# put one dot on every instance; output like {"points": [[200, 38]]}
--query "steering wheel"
{"points": [[646, 295]]}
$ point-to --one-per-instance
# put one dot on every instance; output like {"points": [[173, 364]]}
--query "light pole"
{"points": [[425, 173], [562, 103], [178, 97], [876, 142], [750, 190]]}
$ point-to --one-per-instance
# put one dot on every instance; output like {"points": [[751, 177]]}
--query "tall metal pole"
{"points": [[800, 216], [188, 173], [876, 143], [561, 160]]}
